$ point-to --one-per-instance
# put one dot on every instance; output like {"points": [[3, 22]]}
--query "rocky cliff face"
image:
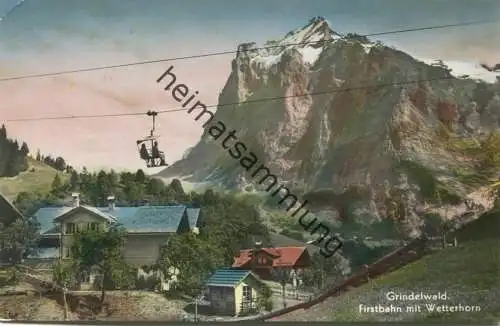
{"points": [[349, 131]]}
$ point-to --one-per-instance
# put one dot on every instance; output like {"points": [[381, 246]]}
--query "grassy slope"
{"points": [[470, 274], [39, 180]]}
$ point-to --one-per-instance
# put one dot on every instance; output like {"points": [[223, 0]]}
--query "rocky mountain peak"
{"points": [[351, 134], [307, 40]]}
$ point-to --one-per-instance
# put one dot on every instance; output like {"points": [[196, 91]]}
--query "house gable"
{"points": [[251, 280], [8, 212], [263, 258], [82, 214]]}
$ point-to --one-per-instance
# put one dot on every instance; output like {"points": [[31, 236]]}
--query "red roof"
{"points": [[284, 256]]}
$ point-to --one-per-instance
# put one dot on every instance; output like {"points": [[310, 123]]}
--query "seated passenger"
{"points": [[144, 152], [155, 151]]}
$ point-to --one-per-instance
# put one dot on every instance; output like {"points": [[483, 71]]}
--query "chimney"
{"points": [[255, 250], [111, 203], [258, 245], [76, 199]]}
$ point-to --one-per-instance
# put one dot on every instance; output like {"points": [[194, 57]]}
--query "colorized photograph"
{"points": [[227, 161]]}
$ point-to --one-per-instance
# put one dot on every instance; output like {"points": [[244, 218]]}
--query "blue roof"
{"points": [[133, 219], [148, 218], [45, 216], [227, 277]]}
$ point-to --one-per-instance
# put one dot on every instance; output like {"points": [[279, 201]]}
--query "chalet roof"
{"points": [[229, 277], [8, 212], [142, 219], [286, 256]]}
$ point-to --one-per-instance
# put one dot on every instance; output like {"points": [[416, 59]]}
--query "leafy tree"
{"points": [[265, 301], [194, 257], [101, 251], [59, 164], [18, 239], [176, 186], [140, 176], [29, 202], [64, 275], [155, 186]]}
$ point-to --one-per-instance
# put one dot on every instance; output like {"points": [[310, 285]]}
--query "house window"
{"points": [[247, 293], [93, 226], [70, 228], [66, 253]]}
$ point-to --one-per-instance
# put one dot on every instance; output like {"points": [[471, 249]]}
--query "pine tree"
{"points": [[74, 180], [3, 132], [56, 184], [24, 149]]}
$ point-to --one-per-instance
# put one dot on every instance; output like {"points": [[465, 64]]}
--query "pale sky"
{"points": [[54, 35]]}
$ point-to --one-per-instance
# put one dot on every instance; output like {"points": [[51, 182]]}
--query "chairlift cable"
{"points": [[261, 100]]}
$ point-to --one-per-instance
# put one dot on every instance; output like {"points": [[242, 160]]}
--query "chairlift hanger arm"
{"points": [[153, 114]]}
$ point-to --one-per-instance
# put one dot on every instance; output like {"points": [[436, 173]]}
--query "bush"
{"points": [[147, 283], [264, 301]]}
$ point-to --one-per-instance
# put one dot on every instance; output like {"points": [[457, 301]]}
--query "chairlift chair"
{"points": [[148, 147]]}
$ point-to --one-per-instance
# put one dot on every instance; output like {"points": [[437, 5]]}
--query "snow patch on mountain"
{"points": [[310, 55], [465, 69]]}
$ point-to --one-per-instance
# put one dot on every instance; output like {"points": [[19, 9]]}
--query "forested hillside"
{"points": [[13, 158], [21, 170]]}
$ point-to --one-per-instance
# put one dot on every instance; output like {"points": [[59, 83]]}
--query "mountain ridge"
{"points": [[355, 133]]}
